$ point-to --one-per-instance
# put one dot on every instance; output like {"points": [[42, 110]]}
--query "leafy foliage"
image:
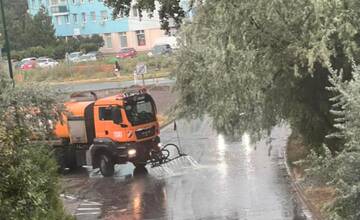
{"points": [[343, 169], [28, 173], [26, 31], [62, 46], [252, 64], [169, 10]]}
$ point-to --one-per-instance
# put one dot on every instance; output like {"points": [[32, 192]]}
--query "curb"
{"points": [[97, 80], [310, 213]]}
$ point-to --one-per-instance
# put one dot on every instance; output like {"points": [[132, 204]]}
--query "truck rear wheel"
{"points": [[106, 165], [139, 165]]}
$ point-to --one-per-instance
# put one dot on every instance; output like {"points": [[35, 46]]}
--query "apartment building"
{"points": [[88, 17]]}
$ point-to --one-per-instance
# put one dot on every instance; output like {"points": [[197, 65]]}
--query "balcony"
{"points": [[59, 10]]}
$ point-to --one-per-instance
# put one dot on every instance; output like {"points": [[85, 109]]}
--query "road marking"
{"points": [[90, 203], [87, 209], [87, 213]]}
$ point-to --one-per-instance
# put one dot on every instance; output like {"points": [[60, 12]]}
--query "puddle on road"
{"points": [[176, 167]]}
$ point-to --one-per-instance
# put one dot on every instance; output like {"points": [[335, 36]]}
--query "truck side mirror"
{"points": [[116, 115]]}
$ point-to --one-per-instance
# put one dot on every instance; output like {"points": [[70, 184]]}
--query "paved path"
{"points": [[222, 180]]}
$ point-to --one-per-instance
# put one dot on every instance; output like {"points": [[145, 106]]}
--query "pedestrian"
{"points": [[117, 69]]}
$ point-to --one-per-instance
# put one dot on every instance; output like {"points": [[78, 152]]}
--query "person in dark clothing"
{"points": [[117, 69]]}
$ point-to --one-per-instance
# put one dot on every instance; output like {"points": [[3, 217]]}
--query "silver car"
{"points": [[44, 62]]}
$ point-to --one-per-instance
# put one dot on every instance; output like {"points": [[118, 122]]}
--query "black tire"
{"points": [[140, 171], [60, 156], [139, 165], [71, 161], [106, 165]]}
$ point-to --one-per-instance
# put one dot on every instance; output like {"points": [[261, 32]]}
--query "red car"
{"points": [[28, 65], [126, 53]]}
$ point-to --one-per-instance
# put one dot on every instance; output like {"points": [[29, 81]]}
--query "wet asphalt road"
{"points": [[93, 86], [233, 180]]}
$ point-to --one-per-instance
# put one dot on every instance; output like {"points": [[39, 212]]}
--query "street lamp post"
{"points": [[7, 43]]}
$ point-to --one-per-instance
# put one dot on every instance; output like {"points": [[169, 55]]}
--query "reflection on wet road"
{"points": [[234, 180]]}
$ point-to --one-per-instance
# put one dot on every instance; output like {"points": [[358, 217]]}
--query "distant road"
{"points": [[77, 87]]}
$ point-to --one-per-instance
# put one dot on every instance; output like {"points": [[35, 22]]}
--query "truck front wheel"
{"points": [[106, 165], [140, 165]]}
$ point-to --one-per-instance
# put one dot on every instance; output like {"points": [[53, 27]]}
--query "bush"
{"points": [[33, 52], [29, 182], [63, 46], [59, 51], [88, 47], [342, 169]]}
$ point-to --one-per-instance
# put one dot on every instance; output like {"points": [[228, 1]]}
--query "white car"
{"points": [[74, 57], [44, 62], [28, 59], [87, 57]]}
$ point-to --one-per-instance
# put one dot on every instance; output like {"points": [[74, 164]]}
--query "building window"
{"points": [[135, 11], [83, 17], [67, 21], [32, 2], [108, 41], [141, 37], [54, 2], [91, 1], [74, 2], [75, 18], [63, 2], [104, 16], [123, 39], [93, 16]]}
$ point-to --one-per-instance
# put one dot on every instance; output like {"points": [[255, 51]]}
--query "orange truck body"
{"points": [[121, 128]]}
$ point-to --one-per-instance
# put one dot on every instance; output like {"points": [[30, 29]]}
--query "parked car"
{"points": [[97, 54], [126, 53], [160, 49], [45, 62], [25, 63], [87, 57], [171, 40], [28, 59], [18, 64], [74, 57], [28, 65]]}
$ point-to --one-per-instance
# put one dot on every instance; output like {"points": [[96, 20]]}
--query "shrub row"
{"points": [[63, 46]]}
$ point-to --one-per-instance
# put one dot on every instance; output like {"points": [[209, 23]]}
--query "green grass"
{"points": [[157, 67]]}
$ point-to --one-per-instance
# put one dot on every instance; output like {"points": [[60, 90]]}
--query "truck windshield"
{"points": [[140, 112]]}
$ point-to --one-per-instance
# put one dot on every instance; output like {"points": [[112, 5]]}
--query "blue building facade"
{"points": [[89, 17], [80, 17]]}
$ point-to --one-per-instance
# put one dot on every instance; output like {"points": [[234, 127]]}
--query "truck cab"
{"points": [[112, 130]]}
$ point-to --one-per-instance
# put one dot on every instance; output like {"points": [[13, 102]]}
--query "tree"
{"points": [[342, 169], [40, 32], [253, 64], [17, 18], [28, 173], [26, 31], [169, 9]]}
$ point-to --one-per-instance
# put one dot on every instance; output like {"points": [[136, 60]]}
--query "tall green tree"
{"points": [[40, 31], [341, 170], [169, 9], [24, 30], [253, 64]]}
